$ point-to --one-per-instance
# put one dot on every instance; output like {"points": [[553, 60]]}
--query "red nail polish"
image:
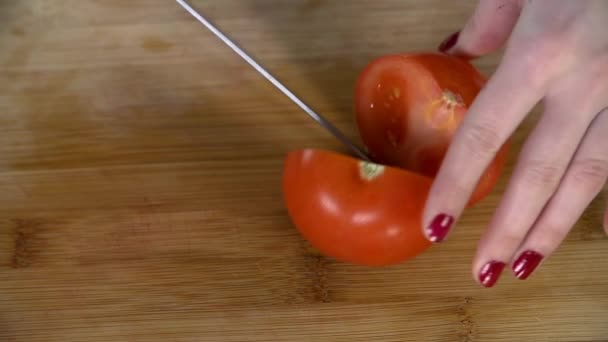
{"points": [[449, 42], [490, 272], [439, 227], [526, 264]]}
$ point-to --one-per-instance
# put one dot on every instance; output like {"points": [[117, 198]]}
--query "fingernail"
{"points": [[490, 272], [449, 42], [526, 264], [439, 227]]}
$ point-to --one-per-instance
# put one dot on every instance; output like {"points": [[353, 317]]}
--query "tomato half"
{"points": [[408, 107], [355, 211]]}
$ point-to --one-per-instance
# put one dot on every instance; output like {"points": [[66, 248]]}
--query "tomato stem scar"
{"points": [[441, 112], [452, 99], [369, 171]]}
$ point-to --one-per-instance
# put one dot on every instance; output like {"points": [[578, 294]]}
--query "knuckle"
{"points": [[462, 188], [590, 171], [505, 240], [485, 40], [482, 140], [595, 79], [541, 59], [484, 33], [551, 235], [541, 174], [511, 238], [537, 66], [456, 188]]}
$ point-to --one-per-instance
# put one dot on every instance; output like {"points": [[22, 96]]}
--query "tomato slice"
{"points": [[408, 107], [355, 211]]}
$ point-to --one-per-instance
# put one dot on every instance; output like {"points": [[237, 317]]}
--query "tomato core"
{"points": [[368, 170], [442, 114]]}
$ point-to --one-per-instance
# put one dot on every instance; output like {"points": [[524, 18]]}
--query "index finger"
{"points": [[494, 115]]}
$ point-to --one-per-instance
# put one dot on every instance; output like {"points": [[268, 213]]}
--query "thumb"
{"points": [[486, 30]]}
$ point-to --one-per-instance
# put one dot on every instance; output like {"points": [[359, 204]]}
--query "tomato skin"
{"points": [[408, 107], [368, 222]]}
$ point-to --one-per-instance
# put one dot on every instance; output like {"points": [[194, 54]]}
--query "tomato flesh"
{"points": [[361, 213], [409, 106]]}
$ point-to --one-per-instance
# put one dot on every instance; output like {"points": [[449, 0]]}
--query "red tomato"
{"points": [[408, 107], [355, 211]]}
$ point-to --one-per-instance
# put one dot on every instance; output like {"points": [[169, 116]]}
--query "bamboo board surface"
{"points": [[140, 198]]}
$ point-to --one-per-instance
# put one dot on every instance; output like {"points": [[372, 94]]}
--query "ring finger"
{"points": [[541, 165], [582, 182]]}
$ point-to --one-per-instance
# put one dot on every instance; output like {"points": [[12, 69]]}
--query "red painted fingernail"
{"points": [[439, 227], [490, 272], [449, 42], [526, 264]]}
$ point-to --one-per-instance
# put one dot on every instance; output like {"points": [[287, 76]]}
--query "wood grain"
{"points": [[140, 197]]}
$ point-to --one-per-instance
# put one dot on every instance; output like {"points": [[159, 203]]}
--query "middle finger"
{"points": [[541, 165]]}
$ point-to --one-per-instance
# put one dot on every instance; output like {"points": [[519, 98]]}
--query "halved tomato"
{"points": [[355, 211], [408, 107]]}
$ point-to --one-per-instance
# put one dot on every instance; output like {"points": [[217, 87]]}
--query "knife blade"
{"points": [[314, 115]]}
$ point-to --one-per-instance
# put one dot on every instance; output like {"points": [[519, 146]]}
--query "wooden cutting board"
{"points": [[140, 200]]}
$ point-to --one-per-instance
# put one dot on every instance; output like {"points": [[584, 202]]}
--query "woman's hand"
{"points": [[556, 52]]}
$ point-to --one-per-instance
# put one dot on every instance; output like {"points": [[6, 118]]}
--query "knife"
{"points": [[315, 116]]}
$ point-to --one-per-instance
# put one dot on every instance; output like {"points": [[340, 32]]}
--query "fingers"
{"points": [[495, 114], [585, 178], [542, 163], [562, 167], [486, 30], [547, 192]]}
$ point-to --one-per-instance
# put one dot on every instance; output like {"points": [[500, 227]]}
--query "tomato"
{"points": [[408, 107], [355, 211]]}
